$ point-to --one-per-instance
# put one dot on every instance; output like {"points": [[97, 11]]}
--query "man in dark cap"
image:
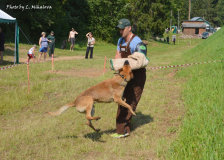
{"points": [[127, 45], [51, 39], [71, 38]]}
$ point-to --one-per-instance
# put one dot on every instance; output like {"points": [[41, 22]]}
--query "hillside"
{"points": [[202, 134]]}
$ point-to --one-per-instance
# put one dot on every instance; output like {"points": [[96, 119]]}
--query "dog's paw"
{"points": [[97, 130], [98, 118], [133, 114]]}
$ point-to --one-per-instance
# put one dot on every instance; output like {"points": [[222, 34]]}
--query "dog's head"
{"points": [[126, 71]]}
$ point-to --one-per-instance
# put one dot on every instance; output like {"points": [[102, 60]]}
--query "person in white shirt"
{"points": [[31, 53], [90, 45], [71, 38]]}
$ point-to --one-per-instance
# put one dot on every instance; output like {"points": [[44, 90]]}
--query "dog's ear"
{"points": [[119, 71], [131, 75]]}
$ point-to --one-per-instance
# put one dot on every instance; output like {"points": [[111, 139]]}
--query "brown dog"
{"points": [[108, 91]]}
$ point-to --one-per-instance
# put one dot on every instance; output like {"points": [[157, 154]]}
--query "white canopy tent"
{"points": [[5, 18]]}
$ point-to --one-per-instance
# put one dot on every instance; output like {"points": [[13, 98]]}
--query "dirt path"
{"points": [[55, 59], [90, 72]]}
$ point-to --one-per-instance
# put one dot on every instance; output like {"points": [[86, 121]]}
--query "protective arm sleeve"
{"points": [[141, 47]]}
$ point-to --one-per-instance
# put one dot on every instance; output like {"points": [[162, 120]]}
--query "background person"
{"points": [[71, 38], [31, 53], [167, 39], [2, 42], [127, 45], [43, 43], [51, 43], [90, 45], [63, 46]]}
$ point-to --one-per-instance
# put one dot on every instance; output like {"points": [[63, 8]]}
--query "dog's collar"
{"points": [[121, 76]]}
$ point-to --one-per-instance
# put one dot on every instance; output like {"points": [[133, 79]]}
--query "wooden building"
{"points": [[193, 27]]}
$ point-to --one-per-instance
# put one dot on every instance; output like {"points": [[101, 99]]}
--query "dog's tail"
{"points": [[61, 110]]}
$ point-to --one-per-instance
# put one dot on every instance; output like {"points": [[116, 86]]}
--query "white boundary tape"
{"points": [[12, 66], [190, 64], [182, 65], [152, 68]]}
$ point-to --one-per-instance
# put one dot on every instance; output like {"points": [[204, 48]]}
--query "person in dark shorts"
{"points": [[71, 38], [167, 39], [43, 43], [127, 45], [2, 42]]}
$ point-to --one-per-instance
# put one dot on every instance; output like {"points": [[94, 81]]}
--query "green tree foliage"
{"points": [[61, 18], [211, 10], [104, 16], [149, 17], [219, 14], [183, 9]]}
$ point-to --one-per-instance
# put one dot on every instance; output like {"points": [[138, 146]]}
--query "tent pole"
{"points": [[15, 45]]}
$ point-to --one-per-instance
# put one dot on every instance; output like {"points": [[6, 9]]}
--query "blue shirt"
{"points": [[132, 44]]}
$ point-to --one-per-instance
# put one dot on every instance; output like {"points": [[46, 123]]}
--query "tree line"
{"points": [[149, 17]]}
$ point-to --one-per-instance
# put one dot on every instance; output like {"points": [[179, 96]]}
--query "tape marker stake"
{"points": [[104, 64], [28, 77], [52, 58]]}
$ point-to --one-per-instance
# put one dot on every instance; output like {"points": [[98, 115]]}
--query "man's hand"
{"points": [[117, 55]]}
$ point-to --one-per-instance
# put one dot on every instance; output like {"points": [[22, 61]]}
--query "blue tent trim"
{"points": [[7, 21]]}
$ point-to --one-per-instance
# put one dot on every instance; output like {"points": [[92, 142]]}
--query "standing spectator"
{"points": [[2, 42], [43, 43], [167, 39], [90, 45], [51, 43], [71, 38], [31, 53], [167, 30], [174, 39]]}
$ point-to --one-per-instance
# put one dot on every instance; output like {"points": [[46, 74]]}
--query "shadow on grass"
{"points": [[95, 136], [137, 121], [6, 63], [7, 52], [72, 137]]}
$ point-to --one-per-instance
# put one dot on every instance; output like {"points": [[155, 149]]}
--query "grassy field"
{"points": [[176, 106]]}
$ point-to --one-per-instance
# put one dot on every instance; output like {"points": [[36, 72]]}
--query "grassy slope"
{"points": [[202, 133]]}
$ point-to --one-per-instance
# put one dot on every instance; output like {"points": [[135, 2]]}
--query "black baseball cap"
{"points": [[123, 23]]}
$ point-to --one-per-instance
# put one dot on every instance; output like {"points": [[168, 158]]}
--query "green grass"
{"points": [[27, 132], [202, 133]]}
